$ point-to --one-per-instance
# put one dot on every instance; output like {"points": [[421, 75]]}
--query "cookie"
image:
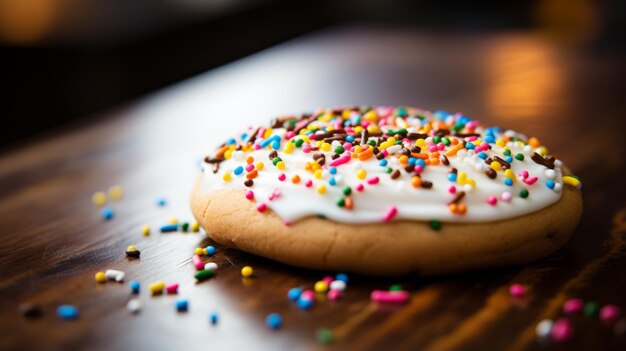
{"points": [[387, 191]]}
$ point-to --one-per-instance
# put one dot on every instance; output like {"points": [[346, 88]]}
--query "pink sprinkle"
{"points": [[531, 180], [478, 148], [290, 135], [340, 160], [385, 152], [373, 180], [484, 145], [257, 146], [306, 148], [308, 295], [274, 195], [609, 313], [347, 146], [197, 262], [172, 288], [249, 167], [573, 306], [506, 196], [492, 200], [418, 169], [261, 207], [384, 296], [440, 146], [334, 295], [250, 195], [406, 140], [523, 174], [471, 125], [309, 183], [328, 279], [432, 148], [360, 187], [472, 138], [452, 189], [562, 330], [282, 177], [390, 213], [517, 290]]}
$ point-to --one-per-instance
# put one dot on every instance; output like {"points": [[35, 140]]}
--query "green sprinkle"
{"points": [[445, 141], [402, 131], [591, 309], [324, 336], [347, 191], [299, 142], [398, 142], [292, 122], [204, 274], [276, 160], [341, 202], [435, 224], [519, 157], [458, 127], [523, 193], [436, 139], [389, 170], [185, 226], [395, 287], [401, 111], [339, 150], [371, 143], [507, 152]]}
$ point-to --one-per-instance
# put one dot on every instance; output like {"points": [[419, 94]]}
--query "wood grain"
{"points": [[53, 239]]}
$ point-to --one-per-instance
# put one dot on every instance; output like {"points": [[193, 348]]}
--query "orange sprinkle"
{"points": [[416, 182], [365, 155], [534, 142], [462, 208], [453, 208], [348, 203], [434, 161], [250, 159], [454, 141], [295, 179], [420, 155], [221, 151], [252, 174], [453, 150], [404, 159]]}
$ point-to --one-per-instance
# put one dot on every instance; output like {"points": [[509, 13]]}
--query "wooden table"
{"points": [[54, 240]]}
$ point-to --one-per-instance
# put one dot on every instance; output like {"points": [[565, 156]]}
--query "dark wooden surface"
{"points": [[53, 239]]}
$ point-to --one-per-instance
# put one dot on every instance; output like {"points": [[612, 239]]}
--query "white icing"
{"points": [[295, 201]]}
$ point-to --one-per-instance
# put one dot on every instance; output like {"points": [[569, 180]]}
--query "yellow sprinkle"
{"points": [[195, 226], [156, 288], [320, 287], [131, 248], [500, 142], [372, 128], [321, 189], [226, 177], [495, 165], [509, 174], [281, 165], [289, 147], [346, 113], [325, 147], [228, 154], [259, 165], [318, 174], [371, 116], [361, 174], [462, 178], [358, 149], [391, 141], [199, 251], [305, 138], [420, 142], [116, 192], [172, 220], [145, 230], [358, 130], [268, 133], [99, 198], [542, 150], [471, 182], [247, 272], [101, 277], [571, 181]]}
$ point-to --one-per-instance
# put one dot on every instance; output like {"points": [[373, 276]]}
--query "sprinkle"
{"points": [[609, 313], [492, 200], [273, 321], [517, 290], [321, 189], [156, 288], [390, 297], [145, 230], [295, 179], [107, 213], [572, 306], [182, 305], [324, 336], [544, 328], [100, 277], [562, 330], [171, 288], [571, 181], [261, 207], [247, 272], [210, 266], [435, 225], [135, 286], [519, 157], [99, 198], [530, 180], [67, 312], [390, 213], [320, 287], [523, 193], [161, 202], [132, 251], [361, 174], [373, 180], [30, 310], [304, 303], [337, 285], [506, 196], [360, 187], [133, 306], [169, 228], [294, 294], [341, 160], [197, 262], [238, 170], [342, 276], [249, 195], [203, 274], [113, 274], [591, 309]]}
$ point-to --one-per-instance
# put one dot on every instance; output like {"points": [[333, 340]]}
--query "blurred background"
{"points": [[62, 61]]}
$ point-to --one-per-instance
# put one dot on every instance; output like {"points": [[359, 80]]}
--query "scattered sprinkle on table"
{"points": [[107, 213], [204, 274], [116, 192], [99, 198], [213, 318], [517, 290], [182, 305], [132, 251], [145, 230], [67, 312], [247, 272], [161, 202], [135, 286], [156, 288], [134, 306], [274, 321], [324, 336], [211, 266], [169, 228], [100, 277]]}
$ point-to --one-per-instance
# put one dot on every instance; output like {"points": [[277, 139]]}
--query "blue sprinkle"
{"points": [[134, 286], [304, 304], [412, 160], [238, 170], [482, 155], [508, 159], [420, 162], [441, 114], [273, 320], [350, 138], [332, 170], [182, 305], [550, 183], [67, 312], [294, 294], [161, 202], [273, 138], [169, 228], [332, 181], [383, 163], [463, 120], [452, 177], [244, 136], [508, 181], [469, 146], [276, 145], [489, 139], [107, 213], [342, 276], [231, 141], [210, 250], [213, 317]]}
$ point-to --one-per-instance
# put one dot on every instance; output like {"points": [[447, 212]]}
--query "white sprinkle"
{"points": [[558, 187], [544, 328], [468, 188], [550, 173], [134, 306], [393, 149], [338, 285], [114, 274], [210, 266]]}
